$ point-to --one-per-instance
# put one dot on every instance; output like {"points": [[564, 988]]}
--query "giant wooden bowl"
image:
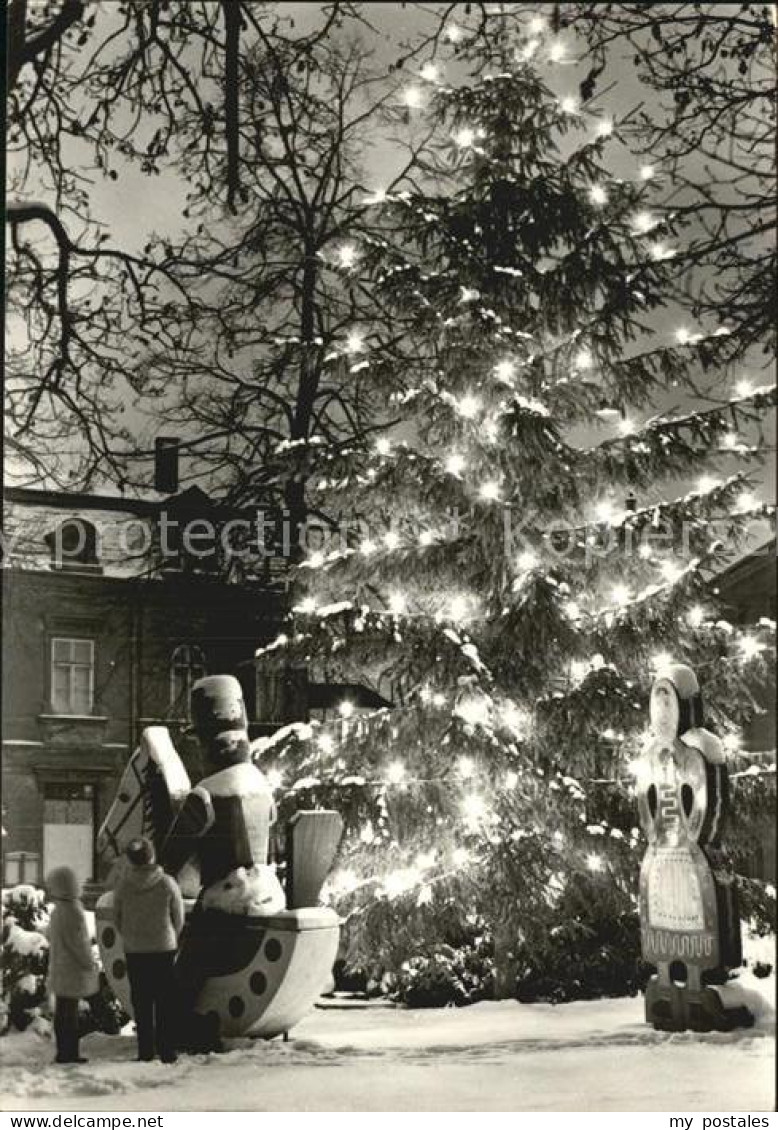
{"points": [[271, 969]]}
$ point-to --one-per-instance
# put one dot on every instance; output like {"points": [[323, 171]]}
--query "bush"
{"points": [[593, 951], [446, 977], [582, 961], [757, 905], [25, 960], [24, 1002], [585, 959], [103, 1012]]}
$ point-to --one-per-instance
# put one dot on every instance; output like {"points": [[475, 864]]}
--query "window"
{"points": [[72, 675], [21, 867], [187, 665]]}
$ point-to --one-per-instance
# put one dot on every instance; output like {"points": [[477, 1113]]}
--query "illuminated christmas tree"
{"points": [[523, 547]]}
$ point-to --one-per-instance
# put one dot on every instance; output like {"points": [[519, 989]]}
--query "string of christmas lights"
{"points": [[507, 663]]}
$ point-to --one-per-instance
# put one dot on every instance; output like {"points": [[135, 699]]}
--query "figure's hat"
{"points": [[683, 679], [689, 696], [219, 716]]}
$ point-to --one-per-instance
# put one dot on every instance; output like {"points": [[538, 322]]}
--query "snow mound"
{"points": [[588, 1055], [756, 993]]}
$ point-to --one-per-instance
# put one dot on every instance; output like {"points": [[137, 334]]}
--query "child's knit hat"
{"points": [[140, 852], [62, 883]]}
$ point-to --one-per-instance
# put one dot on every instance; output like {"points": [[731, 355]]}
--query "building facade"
{"points": [[748, 592], [113, 607]]}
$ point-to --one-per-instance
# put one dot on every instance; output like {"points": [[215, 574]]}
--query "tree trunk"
{"points": [[505, 963], [306, 395]]}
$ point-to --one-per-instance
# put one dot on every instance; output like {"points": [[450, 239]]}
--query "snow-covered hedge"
{"points": [[584, 960], [447, 977], [25, 959], [24, 1000]]}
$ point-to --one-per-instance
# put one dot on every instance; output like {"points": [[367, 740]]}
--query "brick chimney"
{"points": [[166, 464]]}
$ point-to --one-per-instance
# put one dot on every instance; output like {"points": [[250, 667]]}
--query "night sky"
{"points": [[135, 206]]}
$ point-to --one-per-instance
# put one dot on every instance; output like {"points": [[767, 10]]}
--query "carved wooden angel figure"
{"points": [[690, 927]]}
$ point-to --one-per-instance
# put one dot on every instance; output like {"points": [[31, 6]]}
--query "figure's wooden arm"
{"points": [[194, 818]]}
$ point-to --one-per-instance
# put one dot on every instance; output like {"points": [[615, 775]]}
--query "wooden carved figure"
{"points": [[690, 927], [253, 958]]}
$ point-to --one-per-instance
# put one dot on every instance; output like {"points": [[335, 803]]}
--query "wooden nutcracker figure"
{"points": [[224, 823], [254, 957], [690, 927]]}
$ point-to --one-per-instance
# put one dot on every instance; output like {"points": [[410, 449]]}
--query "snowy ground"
{"points": [[505, 1056]]}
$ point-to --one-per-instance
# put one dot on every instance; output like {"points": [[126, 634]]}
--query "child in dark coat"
{"points": [[72, 968], [149, 914]]}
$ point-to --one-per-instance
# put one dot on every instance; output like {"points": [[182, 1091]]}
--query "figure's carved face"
{"points": [[228, 748], [664, 710]]}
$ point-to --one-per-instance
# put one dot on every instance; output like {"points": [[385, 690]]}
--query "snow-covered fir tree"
{"points": [[533, 536]]}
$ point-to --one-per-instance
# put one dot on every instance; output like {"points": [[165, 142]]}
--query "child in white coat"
{"points": [[72, 968]]}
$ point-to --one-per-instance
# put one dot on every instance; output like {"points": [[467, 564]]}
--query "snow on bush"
{"points": [[24, 999], [25, 960], [447, 977]]}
